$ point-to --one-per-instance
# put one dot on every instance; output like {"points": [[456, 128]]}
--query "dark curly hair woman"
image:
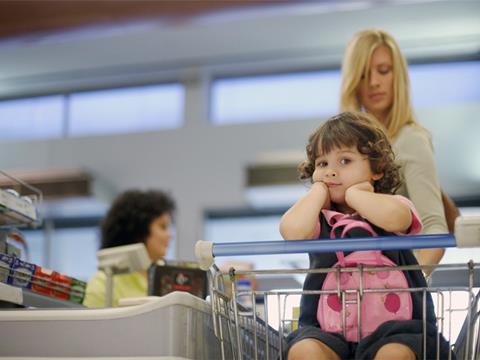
{"points": [[135, 216]]}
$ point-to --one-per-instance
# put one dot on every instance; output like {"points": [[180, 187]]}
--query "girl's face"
{"points": [[375, 90], [159, 237], [341, 168]]}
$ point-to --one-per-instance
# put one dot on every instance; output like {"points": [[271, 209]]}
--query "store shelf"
{"points": [[28, 298], [19, 203], [18, 210]]}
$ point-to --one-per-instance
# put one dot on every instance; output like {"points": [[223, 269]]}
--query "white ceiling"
{"points": [[285, 37]]}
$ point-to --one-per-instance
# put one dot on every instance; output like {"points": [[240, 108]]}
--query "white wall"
{"points": [[203, 165]]}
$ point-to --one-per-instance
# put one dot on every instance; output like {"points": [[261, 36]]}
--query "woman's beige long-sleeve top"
{"points": [[414, 152]]}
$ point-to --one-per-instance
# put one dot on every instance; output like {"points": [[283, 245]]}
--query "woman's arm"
{"points": [[415, 152], [301, 220], [383, 210]]}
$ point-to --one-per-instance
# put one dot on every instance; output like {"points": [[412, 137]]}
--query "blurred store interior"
{"points": [[212, 102]]}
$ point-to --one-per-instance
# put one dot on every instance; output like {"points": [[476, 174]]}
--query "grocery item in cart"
{"points": [[245, 284]]}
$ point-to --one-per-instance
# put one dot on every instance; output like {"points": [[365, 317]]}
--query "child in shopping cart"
{"points": [[351, 166]]}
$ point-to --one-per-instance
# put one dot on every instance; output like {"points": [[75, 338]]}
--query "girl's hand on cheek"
{"points": [[356, 189], [326, 192], [363, 186], [316, 177]]}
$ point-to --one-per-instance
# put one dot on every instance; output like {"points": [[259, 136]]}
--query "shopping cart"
{"points": [[253, 334]]}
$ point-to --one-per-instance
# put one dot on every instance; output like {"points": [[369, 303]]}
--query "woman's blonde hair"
{"points": [[357, 63]]}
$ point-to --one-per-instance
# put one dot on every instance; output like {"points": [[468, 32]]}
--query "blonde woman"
{"points": [[375, 80]]}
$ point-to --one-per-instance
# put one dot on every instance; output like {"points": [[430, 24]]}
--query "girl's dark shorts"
{"points": [[409, 333]]}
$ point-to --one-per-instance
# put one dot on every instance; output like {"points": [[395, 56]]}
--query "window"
{"points": [[252, 228], [316, 94], [442, 84], [275, 97], [126, 110], [73, 251], [70, 251], [36, 244], [32, 118]]}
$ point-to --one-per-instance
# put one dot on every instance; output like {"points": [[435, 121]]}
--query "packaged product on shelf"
{"points": [[53, 283], [77, 291], [42, 280], [61, 285], [6, 263], [21, 274]]}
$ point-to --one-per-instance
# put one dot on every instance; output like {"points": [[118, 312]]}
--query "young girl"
{"points": [[351, 166]]}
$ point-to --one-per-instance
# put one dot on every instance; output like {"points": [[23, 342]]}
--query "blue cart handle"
{"points": [[467, 234]]}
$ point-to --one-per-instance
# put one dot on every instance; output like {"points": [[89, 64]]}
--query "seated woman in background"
{"points": [[135, 216]]}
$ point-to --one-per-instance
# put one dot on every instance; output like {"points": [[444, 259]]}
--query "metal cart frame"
{"points": [[243, 334]]}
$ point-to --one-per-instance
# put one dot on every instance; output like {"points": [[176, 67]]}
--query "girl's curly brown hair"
{"points": [[367, 134]]}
